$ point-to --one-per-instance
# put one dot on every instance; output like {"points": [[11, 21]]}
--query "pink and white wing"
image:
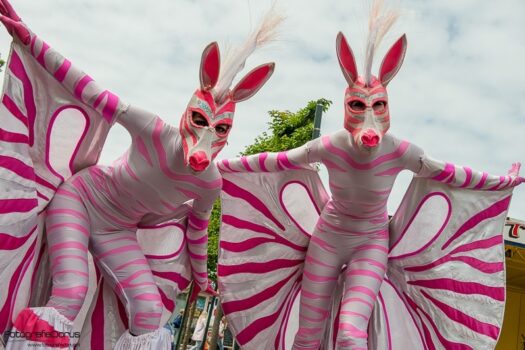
{"points": [[46, 135], [267, 220], [445, 283]]}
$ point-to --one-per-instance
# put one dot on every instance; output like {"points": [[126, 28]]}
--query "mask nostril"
{"points": [[199, 161]]}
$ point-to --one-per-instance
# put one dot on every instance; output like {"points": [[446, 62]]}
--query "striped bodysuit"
{"points": [[353, 227], [101, 207]]}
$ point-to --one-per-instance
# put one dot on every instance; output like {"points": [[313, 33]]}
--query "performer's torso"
{"points": [[150, 177], [361, 182]]}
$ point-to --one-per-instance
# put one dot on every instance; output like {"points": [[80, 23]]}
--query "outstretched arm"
{"points": [[71, 78], [468, 178], [297, 158]]}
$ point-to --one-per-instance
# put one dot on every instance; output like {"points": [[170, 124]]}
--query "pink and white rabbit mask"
{"points": [[367, 116], [208, 119]]}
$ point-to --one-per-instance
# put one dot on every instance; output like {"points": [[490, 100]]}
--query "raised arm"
{"points": [[466, 177], [297, 158], [71, 78]]}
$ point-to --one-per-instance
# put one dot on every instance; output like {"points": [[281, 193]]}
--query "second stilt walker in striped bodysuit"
{"points": [[363, 161]]}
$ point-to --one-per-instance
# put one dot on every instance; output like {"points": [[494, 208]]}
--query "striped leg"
{"points": [[67, 228], [363, 279], [321, 269], [123, 262]]}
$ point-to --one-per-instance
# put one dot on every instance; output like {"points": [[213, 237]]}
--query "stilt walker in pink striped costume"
{"points": [[167, 173], [432, 278]]}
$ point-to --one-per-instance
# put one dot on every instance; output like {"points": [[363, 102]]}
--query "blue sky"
{"points": [[459, 95]]}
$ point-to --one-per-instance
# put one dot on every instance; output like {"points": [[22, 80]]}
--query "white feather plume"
{"points": [[380, 21], [236, 57]]}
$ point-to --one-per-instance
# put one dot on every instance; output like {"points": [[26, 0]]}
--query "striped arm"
{"points": [[465, 177], [74, 80], [297, 158], [197, 243]]}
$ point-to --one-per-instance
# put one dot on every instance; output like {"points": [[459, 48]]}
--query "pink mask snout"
{"points": [[370, 138], [199, 161]]}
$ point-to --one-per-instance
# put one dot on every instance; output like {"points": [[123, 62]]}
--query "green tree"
{"points": [[287, 130], [2, 62]]}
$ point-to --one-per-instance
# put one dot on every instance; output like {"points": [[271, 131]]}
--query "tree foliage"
{"points": [[287, 130], [2, 62]]}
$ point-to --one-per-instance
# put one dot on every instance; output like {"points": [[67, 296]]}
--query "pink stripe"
{"points": [[468, 176], [256, 299], [197, 256], [78, 292], [468, 288], [501, 180], [313, 260], [492, 211], [175, 277], [470, 322], [314, 296], [9, 242], [141, 146], [283, 160], [68, 245], [120, 250], [481, 181], [18, 70], [333, 166], [74, 272], [353, 331], [13, 137], [13, 109], [61, 72], [139, 262], [198, 241], [17, 166], [480, 265], [21, 205], [79, 88], [447, 344], [449, 171], [235, 191], [322, 244], [244, 162], [130, 171], [110, 107], [70, 212], [318, 278], [363, 272], [262, 159], [257, 267], [390, 172], [226, 164], [357, 300], [364, 290], [200, 224], [148, 296], [73, 226], [40, 58]]}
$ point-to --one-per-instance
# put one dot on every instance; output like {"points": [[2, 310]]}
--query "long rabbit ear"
{"points": [[252, 82], [393, 60], [210, 66], [346, 59]]}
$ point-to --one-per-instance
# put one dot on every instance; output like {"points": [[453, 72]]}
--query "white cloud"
{"points": [[459, 95]]}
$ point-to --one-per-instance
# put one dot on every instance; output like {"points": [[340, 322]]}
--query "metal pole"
{"points": [[210, 311], [317, 121], [184, 318]]}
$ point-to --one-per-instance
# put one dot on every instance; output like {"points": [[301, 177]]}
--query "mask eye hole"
{"points": [[357, 106], [222, 129], [198, 119], [379, 106]]}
